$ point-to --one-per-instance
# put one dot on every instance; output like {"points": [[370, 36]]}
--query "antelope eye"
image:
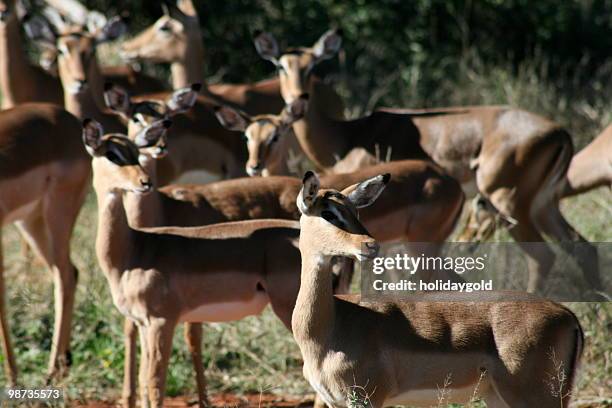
{"points": [[165, 28]]}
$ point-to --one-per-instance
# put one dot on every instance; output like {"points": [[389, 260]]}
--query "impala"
{"points": [[160, 277], [176, 39], [589, 168], [422, 204], [592, 166], [21, 81], [401, 353], [44, 175], [78, 68], [266, 136], [516, 159]]}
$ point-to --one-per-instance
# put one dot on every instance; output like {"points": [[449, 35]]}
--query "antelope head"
{"points": [[141, 115], [116, 159], [329, 223], [168, 39], [295, 64], [263, 133], [75, 44]]}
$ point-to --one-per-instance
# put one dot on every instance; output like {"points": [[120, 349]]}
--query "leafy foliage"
{"points": [[388, 42]]}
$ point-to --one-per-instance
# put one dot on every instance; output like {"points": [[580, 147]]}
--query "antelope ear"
{"points": [[72, 10], [308, 194], [113, 29], [56, 19], [151, 135], [172, 10], [187, 8], [231, 119], [21, 9], [95, 21], [266, 46], [92, 138], [183, 99], [48, 59], [365, 193], [117, 99], [295, 110], [328, 45], [39, 30], [165, 8]]}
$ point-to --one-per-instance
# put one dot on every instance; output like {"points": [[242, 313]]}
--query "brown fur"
{"points": [[44, 174], [156, 277], [591, 167], [200, 122], [42, 133], [391, 349], [428, 201], [20, 80], [428, 212], [79, 63]]}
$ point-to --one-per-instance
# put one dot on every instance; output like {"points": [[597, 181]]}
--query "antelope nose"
{"points": [[146, 184], [254, 170]]}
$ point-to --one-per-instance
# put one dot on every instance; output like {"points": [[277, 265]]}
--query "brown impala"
{"points": [[160, 277], [400, 353], [20, 80], [44, 175], [516, 159]]}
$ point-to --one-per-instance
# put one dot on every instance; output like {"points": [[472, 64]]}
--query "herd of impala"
{"points": [[222, 250]]}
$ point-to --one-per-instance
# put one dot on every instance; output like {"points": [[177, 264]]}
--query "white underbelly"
{"points": [[429, 397], [227, 311], [197, 177]]}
